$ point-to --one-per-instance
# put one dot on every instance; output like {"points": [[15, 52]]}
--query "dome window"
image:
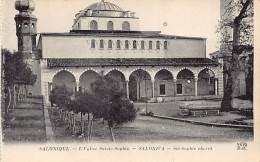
{"points": [[150, 45], [134, 44], [93, 25], [110, 25], [126, 26], [126, 44], [110, 44], [165, 45], [142, 44], [92, 43], [157, 44], [32, 25], [101, 44], [118, 44]]}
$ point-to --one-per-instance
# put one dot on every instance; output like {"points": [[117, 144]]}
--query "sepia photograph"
{"points": [[160, 80]]}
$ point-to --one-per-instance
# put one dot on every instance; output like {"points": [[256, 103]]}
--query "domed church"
{"points": [[106, 38]]}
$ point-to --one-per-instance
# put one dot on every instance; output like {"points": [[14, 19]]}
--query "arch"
{"points": [[86, 79], [118, 76], [65, 78], [25, 24], [140, 68], [185, 84], [208, 69], [126, 26], [194, 74], [206, 82], [140, 87], [163, 83], [115, 69], [110, 25], [93, 25]]}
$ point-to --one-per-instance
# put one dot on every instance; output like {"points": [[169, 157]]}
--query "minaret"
{"points": [[26, 32], [26, 28]]}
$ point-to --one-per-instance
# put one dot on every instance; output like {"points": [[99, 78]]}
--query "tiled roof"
{"points": [[90, 62]]}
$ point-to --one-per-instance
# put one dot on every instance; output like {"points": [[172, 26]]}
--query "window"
{"points": [[118, 44], [150, 45], [165, 44], [92, 43], [25, 24], [142, 44], [93, 25], [110, 44], [126, 26], [179, 88], [32, 25], [126, 44], [157, 44], [134, 44], [110, 25], [162, 89], [101, 45]]}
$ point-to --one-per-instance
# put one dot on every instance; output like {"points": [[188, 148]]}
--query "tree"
{"points": [[16, 73], [113, 107], [240, 20]]}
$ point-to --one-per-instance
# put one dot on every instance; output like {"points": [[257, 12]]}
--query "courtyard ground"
{"points": [[26, 123]]}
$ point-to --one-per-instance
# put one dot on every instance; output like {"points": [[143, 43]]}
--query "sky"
{"points": [[194, 18]]}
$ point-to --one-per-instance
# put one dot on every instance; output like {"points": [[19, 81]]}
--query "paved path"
{"points": [[26, 123]]}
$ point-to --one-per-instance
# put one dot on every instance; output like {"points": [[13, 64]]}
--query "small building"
{"points": [[105, 38]]}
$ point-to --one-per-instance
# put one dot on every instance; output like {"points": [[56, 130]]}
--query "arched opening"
{"points": [[185, 84], [86, 80], [119, 78], [150, 45], [110, 25], [101, 44], [126, 44], [206, 82], [140, 85], [64, 78], [165, 44], [157, 44], [134, 44], [163, 83], [93, 43], [93, 25], [126, 26], [142, 44], [118, 44]]}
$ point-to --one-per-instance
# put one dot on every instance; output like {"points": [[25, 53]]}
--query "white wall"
{"points": [[80, 47]]}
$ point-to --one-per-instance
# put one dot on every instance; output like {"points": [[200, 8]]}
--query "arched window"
{"points": [[118, 44], [126, 26], [165, 44], [110, 44], [110, 25], [32, 25], [126, 44], [150, 45], [134, 44], [93, 25], [101, 45], [78, 26], [92, 43], [25, 24], [157, 44], [142, 44]]}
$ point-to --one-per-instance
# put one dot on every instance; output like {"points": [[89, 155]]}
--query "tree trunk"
{"points": [[10, 100], [82, 124], [111, 133], [88, 129]]}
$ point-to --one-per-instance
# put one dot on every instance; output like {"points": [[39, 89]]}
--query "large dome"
{"points": [[103, 6]]}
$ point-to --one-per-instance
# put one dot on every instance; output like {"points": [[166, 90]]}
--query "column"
{"points": [[196, 86], [175, 86], [77, 86], [152, 81], [127, 88], [216, 86], [137, 90]]}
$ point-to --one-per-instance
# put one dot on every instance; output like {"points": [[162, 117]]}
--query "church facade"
{"points": [[106, 39]]}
